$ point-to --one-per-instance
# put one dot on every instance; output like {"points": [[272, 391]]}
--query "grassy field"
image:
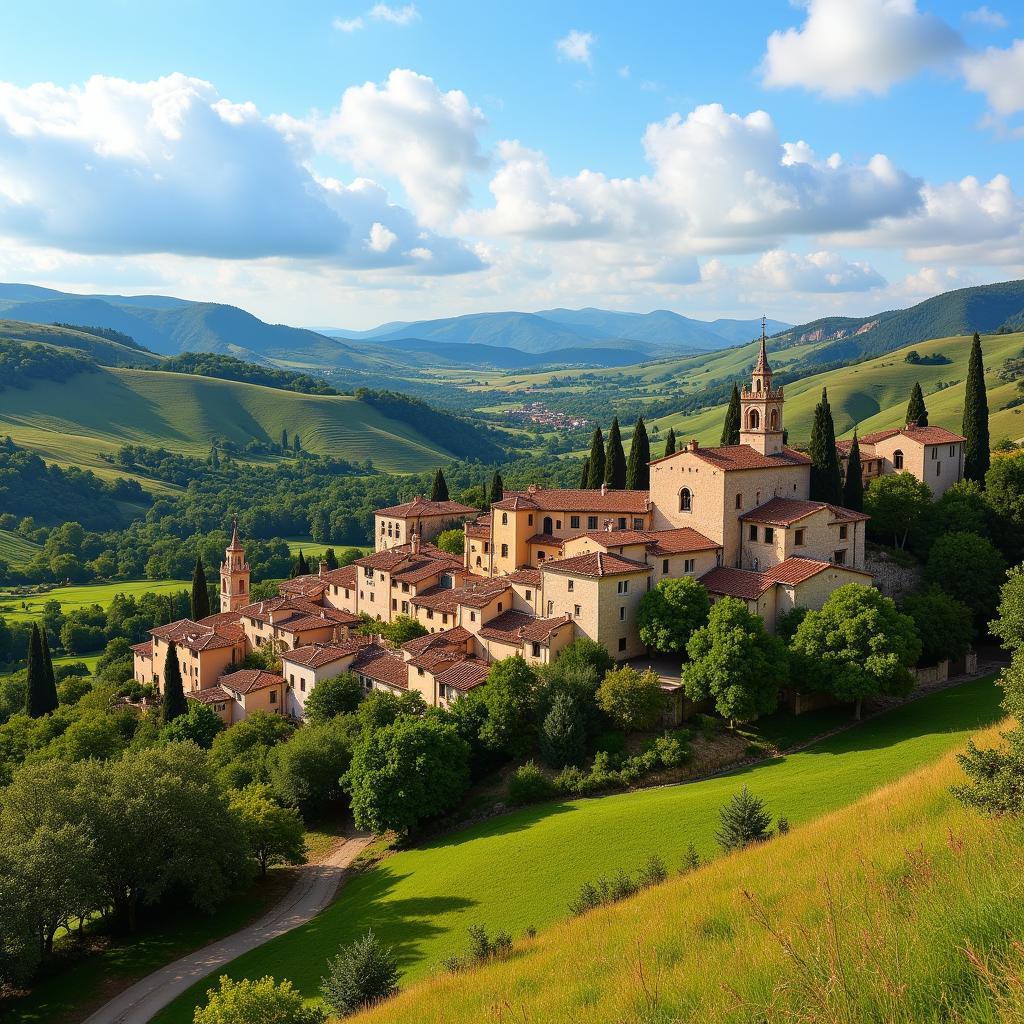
{"points": [[15, 550], [314, 549], [15, 606], [522, 869], [903, 908], [74, 424]]}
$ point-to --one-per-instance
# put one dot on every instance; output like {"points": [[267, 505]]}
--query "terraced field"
{"points": [[15, 550]]}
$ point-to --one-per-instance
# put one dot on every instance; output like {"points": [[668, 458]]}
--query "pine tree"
{"points": [[200, 592], [731, 427], [975, 426], [638, 470], [826, 474], [174, 692], [742, 821], [615, 459], [585, 474], [439, 492], [596, 460], [303, 565], [497, 488], [362, 974], [670, 442], [916, 411], [853, 485], [284, 440]]}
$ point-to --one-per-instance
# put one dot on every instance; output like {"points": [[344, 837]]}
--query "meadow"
{"points": [[521, 870], [15, 550], [17, 606]]}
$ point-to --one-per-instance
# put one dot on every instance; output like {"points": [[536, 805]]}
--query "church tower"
{"points": [[761, 407], [234, 574]]}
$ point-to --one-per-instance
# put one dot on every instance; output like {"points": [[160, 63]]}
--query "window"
{"points": [[638, 523], [622, 613], [444, 619], [419, 671], [690, 565], [622, 522], [664, 567], [529, 595], [529, 519], [382, 577], [430, 613], [472, 616], [394, 604], [739, 501], [591, 522], [504, 519], [302, 685], [504, 551], [938, 469], [842, 532], [499, 606], [952, 450], [769, 535], [935, 453], [839, 557], [540, 557], [753, 420], [574, 522], [622, 643], [798, 538], [897, 459], [551, 607], [536, 650], [571, 585], [576, 610], [622, 587], [558, 524], [752, 532], [685, 500], [273, 696], [405, 588], [405, 607], [291, 678], [478, 562], [775, 419]]}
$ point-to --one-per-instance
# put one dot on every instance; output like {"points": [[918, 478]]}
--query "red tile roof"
{"points": [[403, 564], [741, 583], [795, 570], [741, 456], [303, 586], [456, 635], [548, 539], [657, 541], [211, 695], [144, 650], [596, 563], [193, 635], [383, 666], [526, 577], [514, 627], [316, 655], [249, 680], [785, 511], [421, 507], [570, 500], [922, 435], [465, 675], [343, 577], [482, 531], [438, 599]]}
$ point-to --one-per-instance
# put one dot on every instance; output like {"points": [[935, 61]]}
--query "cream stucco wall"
{"points": [[938, 465]]}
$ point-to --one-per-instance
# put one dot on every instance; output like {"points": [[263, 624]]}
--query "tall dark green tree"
{"points": [[214, 456], [638, 470], [826, 473], [853, 485], [670, 442], [200, 592], [731, 427], [303, 565], [975, 425], [585, 474], [174, 704], [917, 413], [596, 460], [297, 443], [615, 459], [439, 492], [41, 695], [48, 660], [497, 487], [284, 439], [331, 559]]}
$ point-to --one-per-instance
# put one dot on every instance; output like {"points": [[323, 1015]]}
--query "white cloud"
{"points": [[999, 74], [987, 17], [845, 47], [576, 46], [348, 24], [169, 166], [381, 238], [395, 15], [409, 129], [815, 273], [624, 71]]}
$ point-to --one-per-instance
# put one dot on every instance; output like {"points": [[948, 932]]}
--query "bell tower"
{"points": [[761, 407], [234, 574]]}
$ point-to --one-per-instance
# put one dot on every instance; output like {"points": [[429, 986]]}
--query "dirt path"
{"points": [[313, 890]]}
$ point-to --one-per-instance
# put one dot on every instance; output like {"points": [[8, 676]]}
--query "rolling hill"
{"points": [[103, 350]]}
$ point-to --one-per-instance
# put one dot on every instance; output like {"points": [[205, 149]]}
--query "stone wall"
{"points": [[892, 579]]}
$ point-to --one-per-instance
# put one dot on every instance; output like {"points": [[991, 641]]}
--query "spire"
{"points": [[762, 357], [236, 544]]}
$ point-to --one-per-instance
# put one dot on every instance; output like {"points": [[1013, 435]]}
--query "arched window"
{"points": [[547, 525], [775, 419], [897, 459], [504, 519], [478, 562], [753, 419], [757, 384], [685, 500]]}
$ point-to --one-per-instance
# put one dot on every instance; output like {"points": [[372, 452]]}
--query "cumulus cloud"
{"points": [[576, 46], [409, 129], [169, 166], [987, 17], [401, 16], [815, 272], [348, 24], [999, 74], [845, 47]]}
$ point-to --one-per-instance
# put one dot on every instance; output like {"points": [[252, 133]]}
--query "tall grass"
{"points": [[903, 907]]}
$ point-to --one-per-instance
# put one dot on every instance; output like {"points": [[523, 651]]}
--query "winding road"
{"points": [[313, 890]]}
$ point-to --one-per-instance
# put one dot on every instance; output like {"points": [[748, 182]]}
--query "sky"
{"points": [[344, 164]]}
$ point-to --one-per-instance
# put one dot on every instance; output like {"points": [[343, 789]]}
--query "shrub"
{"points": [[671, 752], [481, 949], [690, 860], [742, 821], [631, 699], [562, 737], [653, 872], [619, 887], [263, 1000], [363, 973], [529, 785]]}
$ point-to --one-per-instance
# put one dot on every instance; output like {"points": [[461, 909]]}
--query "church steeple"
{"points": [[234, 574], [761, 405]]}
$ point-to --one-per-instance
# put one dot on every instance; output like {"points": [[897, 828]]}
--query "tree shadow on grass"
{"points": [[501, 825]]}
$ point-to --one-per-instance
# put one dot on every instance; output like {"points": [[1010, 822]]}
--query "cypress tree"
{"points": [[585, 474], [41, 694], [297, 443], [331, 558], [439, 492], [596, 460], [303, 565], [497, 488], [731, 427], [214, 457], [174, 692], [638, 472], [916, 411], [615, 459], [670, 442], [48, 662], [284, 440], [853, 486], [826, 474], [975, 425], [200, 592]]}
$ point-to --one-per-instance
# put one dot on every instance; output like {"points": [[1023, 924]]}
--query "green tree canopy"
{"points": [[174, 703], [670, 442], [364, 973], [439, 491], [41, 695], [731, 426], [274, 834], [200, 724], [453, 541], [638, 470], [562, 734], [261, 999], [339, 695], [917, 413], [826, 473], [969, 568], [497, 488], [200, 592], [306, 771], [596, 460], [1008, 624], [631, 699], [615, 459], [670, 612], [508, 695], [742, 821], [975, 421], [944, 624], [899, 505]]}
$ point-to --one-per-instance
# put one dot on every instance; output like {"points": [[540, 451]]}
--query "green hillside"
{"points": [[109, 353], [15, 550], [75, 424]]}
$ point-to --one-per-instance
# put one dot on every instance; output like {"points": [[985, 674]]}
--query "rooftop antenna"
{"points": [[764, 323]]}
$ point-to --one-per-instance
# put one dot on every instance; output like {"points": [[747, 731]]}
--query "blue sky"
{"points": [[349, 163]]}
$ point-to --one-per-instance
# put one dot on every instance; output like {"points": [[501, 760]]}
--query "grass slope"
{"points": [[870, 914], [522, 869], [15, 550], [75, 422], [16, 607]]}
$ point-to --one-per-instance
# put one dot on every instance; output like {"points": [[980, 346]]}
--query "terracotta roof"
{"points": [[569, 500], [296, 614], [742, 583], [343, 577], [786, 511], [657, 541], [741, 456], [376, 663], [438, 599], [144, 650], [193, 635], [527, 577], [421, 507], [795, 570], [465, 675], [218, 620], [303, 586], [596, 563], [548, 539], [456, 635], [479, 595], [481, 531], [514, 627], [211, 695], [403, 564], [922, 435], [249, 680], [316, 655]]}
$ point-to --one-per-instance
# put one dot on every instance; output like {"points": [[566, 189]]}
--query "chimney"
{"points": [[414, 541], [609, 525], [323, 568], [604, 489], [694, 445]]}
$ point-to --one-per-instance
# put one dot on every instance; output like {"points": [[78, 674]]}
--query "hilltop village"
{"points": [[545, 566]]}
